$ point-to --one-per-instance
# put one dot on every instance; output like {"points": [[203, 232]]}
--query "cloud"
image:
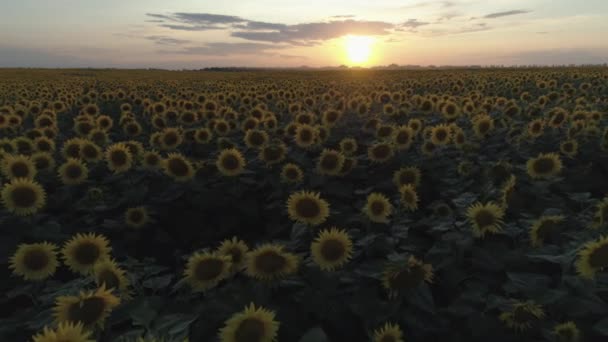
{"points": [[227, 49], [441, 4], [164, 40], [414, 23], [346, 16], [305, 34], [504, 14]]}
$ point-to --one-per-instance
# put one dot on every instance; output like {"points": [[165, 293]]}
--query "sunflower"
{"points": [[90, 152], [119, 158], [178, 167], [137, 217], [459, 138], [522, 315], [307, 207], [330, 117], [82, 252], [428, 148], [403, 137], [545, 166], [292, 173], [235, 249], [407, 175], [601, 214], [251, 324], [71, 148], [36, 261], [380, 152], [64, 332], [273, 153], [151, 160], [43, 161], [483, 125], [543, 228], [24, 145], [566, 332], [536, 127], [205, 270], [569, 148], [348, 166], [18, 166], [330, 162], [255, 138], [400, 277], [409, 197], [230, 162], [44, 144], [348, 146], [171, 138], [107, 273], [99, 137], [378, 208], [89, 308], [270, 262], [388, 333], [305, 135], [23, 196], [331, 249], [384, 131], [441, 135], [73, 172], [592, 257], [485, 218]]}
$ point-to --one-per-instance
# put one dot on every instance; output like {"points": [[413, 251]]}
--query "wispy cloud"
{"points": [[504, 14]]}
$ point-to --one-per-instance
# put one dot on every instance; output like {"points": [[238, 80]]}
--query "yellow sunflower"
{"points": [[71, 148], [43, 161], [36, 261], [407, 175], [305, 135], [235, 249], [251, 324], [330, 162], [380, 152], [23, 196], [483, 125], [73, 172], [388, 333], [441, 135], [171, 138], [64, 332], [82, 252], [398, 277], [178, 167], [90, 152], [567, 332], [119, 158], [409, 197], [378, 208], [485, 218], [203, 135], [543, 228], [348, 146], [307, 207], [601, 214], [522, 315], [292, 173], [569, 148], [331, 249], [270, 262], [18, 166], [256, 138], [230, 162], [151, 160], [544, 166], [89, 308], [206, 270], [592, 258], [107, 273], [137, 217]]}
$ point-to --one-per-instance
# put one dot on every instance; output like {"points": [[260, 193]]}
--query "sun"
{"points": [[358, 49]]}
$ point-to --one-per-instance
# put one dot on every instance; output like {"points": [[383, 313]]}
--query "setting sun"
{"points": [[358, 49]]}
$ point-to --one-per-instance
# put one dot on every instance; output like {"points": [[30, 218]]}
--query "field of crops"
{"points": [[436, 205]]}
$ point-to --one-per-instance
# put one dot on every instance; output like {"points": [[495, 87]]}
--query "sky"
{"points": [[271, 33]]}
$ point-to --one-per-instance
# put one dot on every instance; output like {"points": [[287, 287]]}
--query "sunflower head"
{"points": [[409, 197], [441, 135], [403, 137], [544, 228], [36, 261], [71, 148], [331, 249], [23, 196], [230, 162], [378, 208], [483, 125], [65, 331], [388, 333], [89, 308], [235, 249], [522, 315], [569, 148], [270, 262], [18, 166], [348, 146], [107, 273], [305, 136], [485, 218], [251, 324], [544, 166], [566, 332], [82, 252], [330, 162], [137, 217], [151, 160], [592, 258], [178, 167], [119, 158], [307, 207], [407, 175], [400, 277], [73, 172], [205, 270], [292, 173], [380, 152], [256, 138]]}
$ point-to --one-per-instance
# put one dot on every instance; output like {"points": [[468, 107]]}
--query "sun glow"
{"points": [[358, 49]]}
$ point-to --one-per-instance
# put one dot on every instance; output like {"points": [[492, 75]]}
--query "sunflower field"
{"points": [[310, 206]]}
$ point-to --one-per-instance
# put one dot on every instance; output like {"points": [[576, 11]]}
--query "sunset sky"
{"points": [[265, 33]]}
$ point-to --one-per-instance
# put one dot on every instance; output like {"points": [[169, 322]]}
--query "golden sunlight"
{"points": [[358, 49]]}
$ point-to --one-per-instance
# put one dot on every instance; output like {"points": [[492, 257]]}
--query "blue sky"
{"points": [[192, 34]]}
